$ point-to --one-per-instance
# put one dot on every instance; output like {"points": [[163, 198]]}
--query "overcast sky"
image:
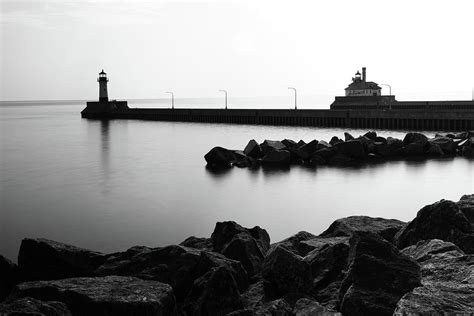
{"points": [[55, 49]]}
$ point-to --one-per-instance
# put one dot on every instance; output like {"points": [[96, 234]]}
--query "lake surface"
{"points": [[110, 185]]}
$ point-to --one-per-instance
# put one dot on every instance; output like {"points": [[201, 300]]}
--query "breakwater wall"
{"points": [[438, 120]]}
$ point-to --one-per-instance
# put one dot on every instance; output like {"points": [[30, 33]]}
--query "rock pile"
{"points": [[367, 147], [359, 266]]}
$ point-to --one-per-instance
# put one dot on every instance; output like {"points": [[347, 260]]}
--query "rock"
{"points": [[309, 149], [110, 295], [277, 157], [310, 307], [245, 245], [322, 144], [415, 149], [240, 159], [435, 150], [380, 139], [340, 159], [441, 220], [317, 160], [271, 145], [300, 143], [254, 296], [466, 205], [391, 148], [289, 143], [219, 156], [33, 307], [415, 138], [215, 293], [43, 259], [8, 276], [371, 135], [253, 149], [335, 140], [352, 148], [326, 153], [328, 262], [277, 307], [447, 278], [285, 273], [296, 244], [348, 136], [447, 145], [379, 275], [347, 226], [198, 243]]}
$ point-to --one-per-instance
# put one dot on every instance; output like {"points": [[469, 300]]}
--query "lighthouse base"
{"points": [[102, 108]]}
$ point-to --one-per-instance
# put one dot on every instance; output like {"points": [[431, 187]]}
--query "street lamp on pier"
{"points": [[295, 95], [172, 98], [225, 91]]}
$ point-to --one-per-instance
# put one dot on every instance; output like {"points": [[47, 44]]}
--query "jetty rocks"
{"points": [[352, 150], [359, 265]]}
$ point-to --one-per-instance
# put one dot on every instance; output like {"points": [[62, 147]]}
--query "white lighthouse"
{"points": [[103, 95]]}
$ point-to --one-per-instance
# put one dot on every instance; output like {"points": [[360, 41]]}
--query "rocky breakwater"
{"points": [[351, 150], [359, 266]]}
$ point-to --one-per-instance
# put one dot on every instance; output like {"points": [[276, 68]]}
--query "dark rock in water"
{"points": [[441, 220], [8, 276], [392, 147], [328, 262], [352, 148], [215, 293], [380, 139], [271, 145], [111, 295], [300, 143], [43, 259], [347, 226], [348, 136], [447, 145], [296, 243], [340, 159], [219, 156], [335, 140], [245, 245], [435, 150], [415, 138], [240, 159], [310, 307], [198, 243], [415, 149], [285, 273], [371, 135], [289, 143], [277, 157], [317, 160], [253, 149], [309, 149], [322, 144], [326, 153], [32, 307], [447, 278], [466, 205], [379, 275]]}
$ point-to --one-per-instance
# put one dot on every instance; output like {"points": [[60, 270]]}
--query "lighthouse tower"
{"points": [[102, 80]]}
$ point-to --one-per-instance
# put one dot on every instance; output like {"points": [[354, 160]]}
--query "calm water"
{"points": [[111, 185]]}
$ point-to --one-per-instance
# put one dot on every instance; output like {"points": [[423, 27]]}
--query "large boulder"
{"points": [[387, 228], [43, 259], [219, 156], [271, 145], [391, 148], [352, 148], [198, 243], [215, 293], [8, 276], [335, 140], [447, 145], [447, 278], [289, 143], [277, 157], [466, 205], [348, 136], [379, 275], [371, 135], [310, 307], [28, 306], [296, 243], [248, 246], [415, 138], [435, 150], [328, 262], [253, 149], [308, 149], [110, 295], [441, 220], [285, 273]]}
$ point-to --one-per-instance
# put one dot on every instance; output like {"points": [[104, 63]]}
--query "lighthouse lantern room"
{"points": [[103, 95]]}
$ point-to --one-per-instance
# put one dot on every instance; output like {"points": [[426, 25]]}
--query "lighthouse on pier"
{"points": [[102, 80]]}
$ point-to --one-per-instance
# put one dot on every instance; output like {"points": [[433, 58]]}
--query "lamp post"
{"points": [[225, 91], [172, 99], [295, 95], [390, 94]]}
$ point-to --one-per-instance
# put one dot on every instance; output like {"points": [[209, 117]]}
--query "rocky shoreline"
{"points": [[366, 148], [359, 266]]}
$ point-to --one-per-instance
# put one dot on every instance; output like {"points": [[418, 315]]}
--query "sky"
{"points": [[54, 50]]}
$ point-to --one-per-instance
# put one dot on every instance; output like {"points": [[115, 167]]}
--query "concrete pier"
{"points": [[436, 120]]}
